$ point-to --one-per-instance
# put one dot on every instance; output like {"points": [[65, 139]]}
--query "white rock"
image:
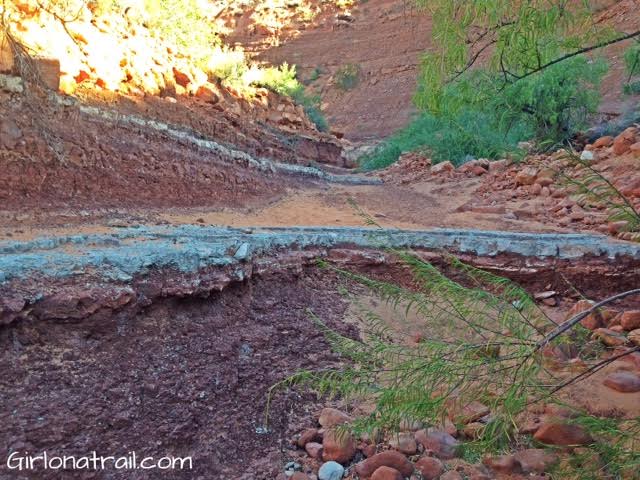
{"points": [[587, 156], [331, 471]]}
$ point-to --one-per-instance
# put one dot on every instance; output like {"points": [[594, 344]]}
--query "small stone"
{"points": [[634, 336], [442, 444], [622, 143], [368, 450], [527, 176], [502, 464], [386, 473], [562, 434], [536, 189], [431, 468], [606, 141], [442, 167], [625, 382], [536, 460], [339, 446], [331, 417], [299, 476], [309, 435], [314, 449], [630, 320], [609, 337], [331, 471], [291, 467], [404, 442], [587, 156], [451, 475], [390, 458], [616, 227]]}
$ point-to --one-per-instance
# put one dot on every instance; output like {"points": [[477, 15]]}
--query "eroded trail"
{"points": [[156, 281]]}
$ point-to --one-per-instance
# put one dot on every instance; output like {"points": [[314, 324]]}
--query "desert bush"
{"points": [[184, 23], [348, 76], [479, 338], [555, 102], [467, 134], [632, 64], [479, 116], [283, 80]]}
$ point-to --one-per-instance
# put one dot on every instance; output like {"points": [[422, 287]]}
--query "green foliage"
{"points": [[228, 65], [632, 64], [555, 102], [481, 340], [348, 76], [481, 117], [467, 133], [513, 38], [185, 24], [283, 80]]}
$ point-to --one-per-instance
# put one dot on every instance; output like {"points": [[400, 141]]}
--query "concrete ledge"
{"points": [[136, 250]]}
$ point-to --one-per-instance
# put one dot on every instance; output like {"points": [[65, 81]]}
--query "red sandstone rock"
{"points": [[502, 464], [331, 417], [440, 443], [630, 320], [431, 468], [610, 337], [309, 435], [387, 473], [527, 176], [622, 143], [442, 167], [562, 434], [338, 446], [535, 460], [208, 93], [299, 476], [451, 475], [404, 442], [389, 458], [603, 142], [625, 382], [313, 449]]}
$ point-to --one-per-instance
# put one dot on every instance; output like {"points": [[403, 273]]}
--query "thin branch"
{"points": [[573, 321]]}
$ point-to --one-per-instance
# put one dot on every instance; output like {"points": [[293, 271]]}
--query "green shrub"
{"points": [[468, 134], [348, 76], [185, 24], [632, 64], [478, 116], [283, 80], [556, 102]]}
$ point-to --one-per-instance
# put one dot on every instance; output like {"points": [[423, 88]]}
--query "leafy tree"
{"points": [[515, 39]]}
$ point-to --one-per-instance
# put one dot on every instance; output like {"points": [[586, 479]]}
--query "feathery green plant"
{"points": [[483, 339]]}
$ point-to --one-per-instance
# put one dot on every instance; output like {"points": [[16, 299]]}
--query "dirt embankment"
{"points": [[380, 40], [182, 377]]}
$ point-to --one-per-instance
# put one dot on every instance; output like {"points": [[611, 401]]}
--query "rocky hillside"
{"points": [[118, 58]]}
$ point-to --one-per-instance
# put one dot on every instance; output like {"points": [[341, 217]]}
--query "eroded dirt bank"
{"points": [[182, 377], [179, 363]]}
